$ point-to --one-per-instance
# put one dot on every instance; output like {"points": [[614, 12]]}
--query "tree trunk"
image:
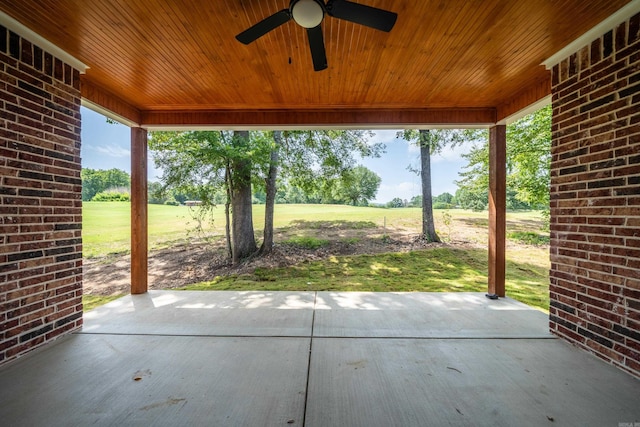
{"points": [[428, 227], [270, 185], [244, 240], [227, 211]]}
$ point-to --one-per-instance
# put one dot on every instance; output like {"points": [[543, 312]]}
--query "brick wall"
{"points": [[595, 198], [40, 197]]}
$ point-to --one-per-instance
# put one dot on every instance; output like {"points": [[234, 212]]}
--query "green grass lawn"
{"points": [[106, 231], [430, 270], [106, 225]]}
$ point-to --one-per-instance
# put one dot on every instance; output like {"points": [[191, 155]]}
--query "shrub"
{"points": [[112, 195], [442, 205]]}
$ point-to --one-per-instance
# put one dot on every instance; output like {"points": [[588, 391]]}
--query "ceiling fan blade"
{"points": [[373, 17], [263, 27], [316, 43]]}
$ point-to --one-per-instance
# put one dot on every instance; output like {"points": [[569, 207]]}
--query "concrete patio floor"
{"points": [[177, 358]]}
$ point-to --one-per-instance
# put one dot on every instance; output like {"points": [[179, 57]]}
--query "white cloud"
{"points": [[448, 154], [413, 148], [404, 190], [112, 151], [383, 136]]}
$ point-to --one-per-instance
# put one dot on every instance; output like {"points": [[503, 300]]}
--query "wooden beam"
{"points": [[532, 94], [497, 209], [335, 118], [139, 226], [106, 103]]}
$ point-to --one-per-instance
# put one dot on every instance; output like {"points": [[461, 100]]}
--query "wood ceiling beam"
{"points": [[518, 105], [106, 103], [349, 118]]}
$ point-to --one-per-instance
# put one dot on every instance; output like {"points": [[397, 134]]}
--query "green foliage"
{"points": [[444, 198], [194, 162], [529, 151], [528, 166], [113, 195], [443, 201], [350, 240], [155, 193], [357, 186], [306, 242], [447, 220], [529, 237], [415, 202], [95, 181], [315, 166], [478, 206], [472, 198], [159, 195], [315, 161], [290, 194], [442, 205], [259, 196], [396, 202]]}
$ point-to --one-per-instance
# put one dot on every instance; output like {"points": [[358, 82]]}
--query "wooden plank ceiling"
{"points": [[173, 62]]}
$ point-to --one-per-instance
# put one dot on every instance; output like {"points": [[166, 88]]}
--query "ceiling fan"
{"points": [[310, 14]]}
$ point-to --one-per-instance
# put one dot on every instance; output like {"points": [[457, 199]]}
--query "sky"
{"points": [[106, 146]]}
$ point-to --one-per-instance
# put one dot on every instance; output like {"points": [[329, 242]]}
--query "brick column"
{"points": [[40, 197], [595, 197]]}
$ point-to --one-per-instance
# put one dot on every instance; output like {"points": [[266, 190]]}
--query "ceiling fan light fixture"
{"points": [[307, 13]]}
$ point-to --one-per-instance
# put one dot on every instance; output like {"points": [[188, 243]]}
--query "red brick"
{"points": [[40, 169], [595, 200]]}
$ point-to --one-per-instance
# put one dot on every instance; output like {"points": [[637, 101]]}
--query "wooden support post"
{"points": [[139, 228], [497, 209]]}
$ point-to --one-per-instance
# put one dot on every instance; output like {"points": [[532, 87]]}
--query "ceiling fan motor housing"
{"points": [[307, 13]]}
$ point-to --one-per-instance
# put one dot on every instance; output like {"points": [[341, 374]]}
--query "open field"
{"points": [[318, 247], [107, 224]]}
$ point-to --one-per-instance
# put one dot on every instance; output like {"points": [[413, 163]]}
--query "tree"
{"points": [[395, 203], [201, 163], [239, 186], [428, 225], [270, 187], [156, 194], [416, 201], [96, 181], [287, 193], [444, 198], [432, 142], [529, 154], [474, 199], [358, 186], [528, 164], [315, 161]]}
